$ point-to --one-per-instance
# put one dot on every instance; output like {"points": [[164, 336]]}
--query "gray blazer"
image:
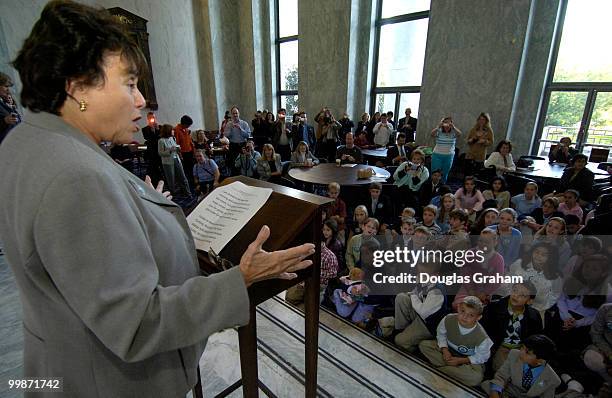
{"points": [[510, 376], [107, 270]]}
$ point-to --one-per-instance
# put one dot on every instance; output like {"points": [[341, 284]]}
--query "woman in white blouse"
{"points": [[501, 158]]}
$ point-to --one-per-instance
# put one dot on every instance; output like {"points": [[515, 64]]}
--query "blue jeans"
{"points": [[442, 162]]}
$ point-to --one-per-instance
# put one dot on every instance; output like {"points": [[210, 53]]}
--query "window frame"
{"points": [[592, 88], [397, 90], [278, 41]]}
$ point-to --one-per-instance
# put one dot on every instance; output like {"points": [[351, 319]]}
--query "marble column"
{"points": [[324, 30], [234, 55], [472, 61], [532, 75]]}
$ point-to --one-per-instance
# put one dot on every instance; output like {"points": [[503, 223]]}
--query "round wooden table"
{"points": [[325, 173]]}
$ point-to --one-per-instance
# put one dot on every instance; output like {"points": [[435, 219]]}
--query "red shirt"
{"points": [[337, 208], [183, 138]]}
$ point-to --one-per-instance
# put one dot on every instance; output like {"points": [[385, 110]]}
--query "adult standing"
{"points": [[302, 131], [347, 126], [174, 170], [151, 135], [479, 139], [113, 300], [182, 135], [237, 131], [408, 125], [383, 131], [9, 116], [327, 139], [282, 136], [446, 135]]}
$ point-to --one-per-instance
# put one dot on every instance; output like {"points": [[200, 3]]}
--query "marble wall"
{"points": [[171, 41], [324, 31], [472, 62]]}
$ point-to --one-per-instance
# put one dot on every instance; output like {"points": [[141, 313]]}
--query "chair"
{"points": [[599, 155]]}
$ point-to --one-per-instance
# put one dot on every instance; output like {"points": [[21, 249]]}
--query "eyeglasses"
{"points": [[219, 261]]}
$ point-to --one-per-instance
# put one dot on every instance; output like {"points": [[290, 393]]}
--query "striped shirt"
{"points": [[445, 142]]}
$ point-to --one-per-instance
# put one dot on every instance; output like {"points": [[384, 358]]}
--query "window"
{"points": [[578, 95], [287, 54], [401, 36]]}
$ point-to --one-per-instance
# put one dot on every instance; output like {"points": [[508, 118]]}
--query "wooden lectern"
{"points": [[294, 217]]}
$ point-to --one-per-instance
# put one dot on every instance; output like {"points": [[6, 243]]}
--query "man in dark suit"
{"points": [[151, 135], [379, 206], [400, 152], [408, 125], [302, 131], [431, 187]]}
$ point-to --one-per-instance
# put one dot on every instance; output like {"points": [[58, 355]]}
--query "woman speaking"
{"points": [[112, 297]]}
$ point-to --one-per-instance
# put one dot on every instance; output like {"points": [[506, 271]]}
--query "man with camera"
{"points": [[282, 136], [246, 162], [9, 117], [349, 153], [382, 131], [302, 131]]}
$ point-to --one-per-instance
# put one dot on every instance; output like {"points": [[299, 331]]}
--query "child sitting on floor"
{"points": [[462, 346], [418, 312], [429, 220], [511, 320], [526, 372]]}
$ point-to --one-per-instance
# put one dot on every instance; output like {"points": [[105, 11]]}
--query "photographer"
{"points": [[9, 117], [259, 128], [282, 136], [328, 137], [562, 153], [349, 153], [246, 162], [302, 131], [408, 179], [382, 131]]}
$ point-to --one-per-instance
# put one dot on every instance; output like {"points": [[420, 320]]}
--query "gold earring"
{"points": [[82, 105]]}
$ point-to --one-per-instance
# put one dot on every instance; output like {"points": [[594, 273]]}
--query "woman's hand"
{"points": [[257, 264], [159, 188]]}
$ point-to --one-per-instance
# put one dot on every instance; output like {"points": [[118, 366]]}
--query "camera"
{"points": [[327, 119]]}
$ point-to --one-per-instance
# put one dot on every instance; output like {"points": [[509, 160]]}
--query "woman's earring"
{"points": [[82, 105]]}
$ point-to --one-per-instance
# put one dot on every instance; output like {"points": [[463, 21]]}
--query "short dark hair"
{"points": [[502, 143], [401, 135], [437, 171], [444, 189], [571, 219], [579, 156], [459, 214], [542, 346], [376, 185], [186, 121], [70, 42], [527, 284], [390, 113]]}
